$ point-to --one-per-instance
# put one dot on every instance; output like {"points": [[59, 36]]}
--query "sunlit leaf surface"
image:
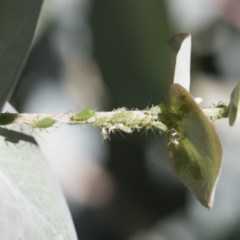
{"points": [[31, 204]]}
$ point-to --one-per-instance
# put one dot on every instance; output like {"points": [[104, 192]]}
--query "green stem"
{"points": [[117, 120]]}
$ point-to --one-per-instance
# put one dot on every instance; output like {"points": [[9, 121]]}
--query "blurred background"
{"points": [[108, 54]]}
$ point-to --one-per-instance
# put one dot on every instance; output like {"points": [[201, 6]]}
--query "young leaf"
{"points": [[234, 105], [194, 147], [7, 118], [181, 46]]}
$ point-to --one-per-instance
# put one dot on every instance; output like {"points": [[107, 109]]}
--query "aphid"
{"points": [[44, 123]]}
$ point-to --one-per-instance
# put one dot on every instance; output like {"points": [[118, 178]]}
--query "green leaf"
{"points": [[194, 146], [7, 118], [32, 205], [234, 105], [18, 20]]}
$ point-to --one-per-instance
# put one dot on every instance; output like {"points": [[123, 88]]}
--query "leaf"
{"points": [[31, 203], [194, 146], [18, 20], [181, 46], [234, 105], [7, 118]]}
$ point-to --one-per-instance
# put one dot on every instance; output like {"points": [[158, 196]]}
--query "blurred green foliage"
{"points": [[18, 20], [130, 46]]}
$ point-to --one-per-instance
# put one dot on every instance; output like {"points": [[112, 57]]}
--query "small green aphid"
{"points": [[83, 115], [122, 116], [44, 123], [194, 146], [101, 121]]}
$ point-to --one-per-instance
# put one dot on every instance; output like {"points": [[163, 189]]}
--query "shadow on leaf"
{"points": [[15, 136]]}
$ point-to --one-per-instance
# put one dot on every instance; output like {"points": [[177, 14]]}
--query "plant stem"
{"points": [[117, 120]]}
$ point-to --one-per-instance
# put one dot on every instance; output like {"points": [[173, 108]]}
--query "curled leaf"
{"points": [[234, 105], [181, 46]]}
